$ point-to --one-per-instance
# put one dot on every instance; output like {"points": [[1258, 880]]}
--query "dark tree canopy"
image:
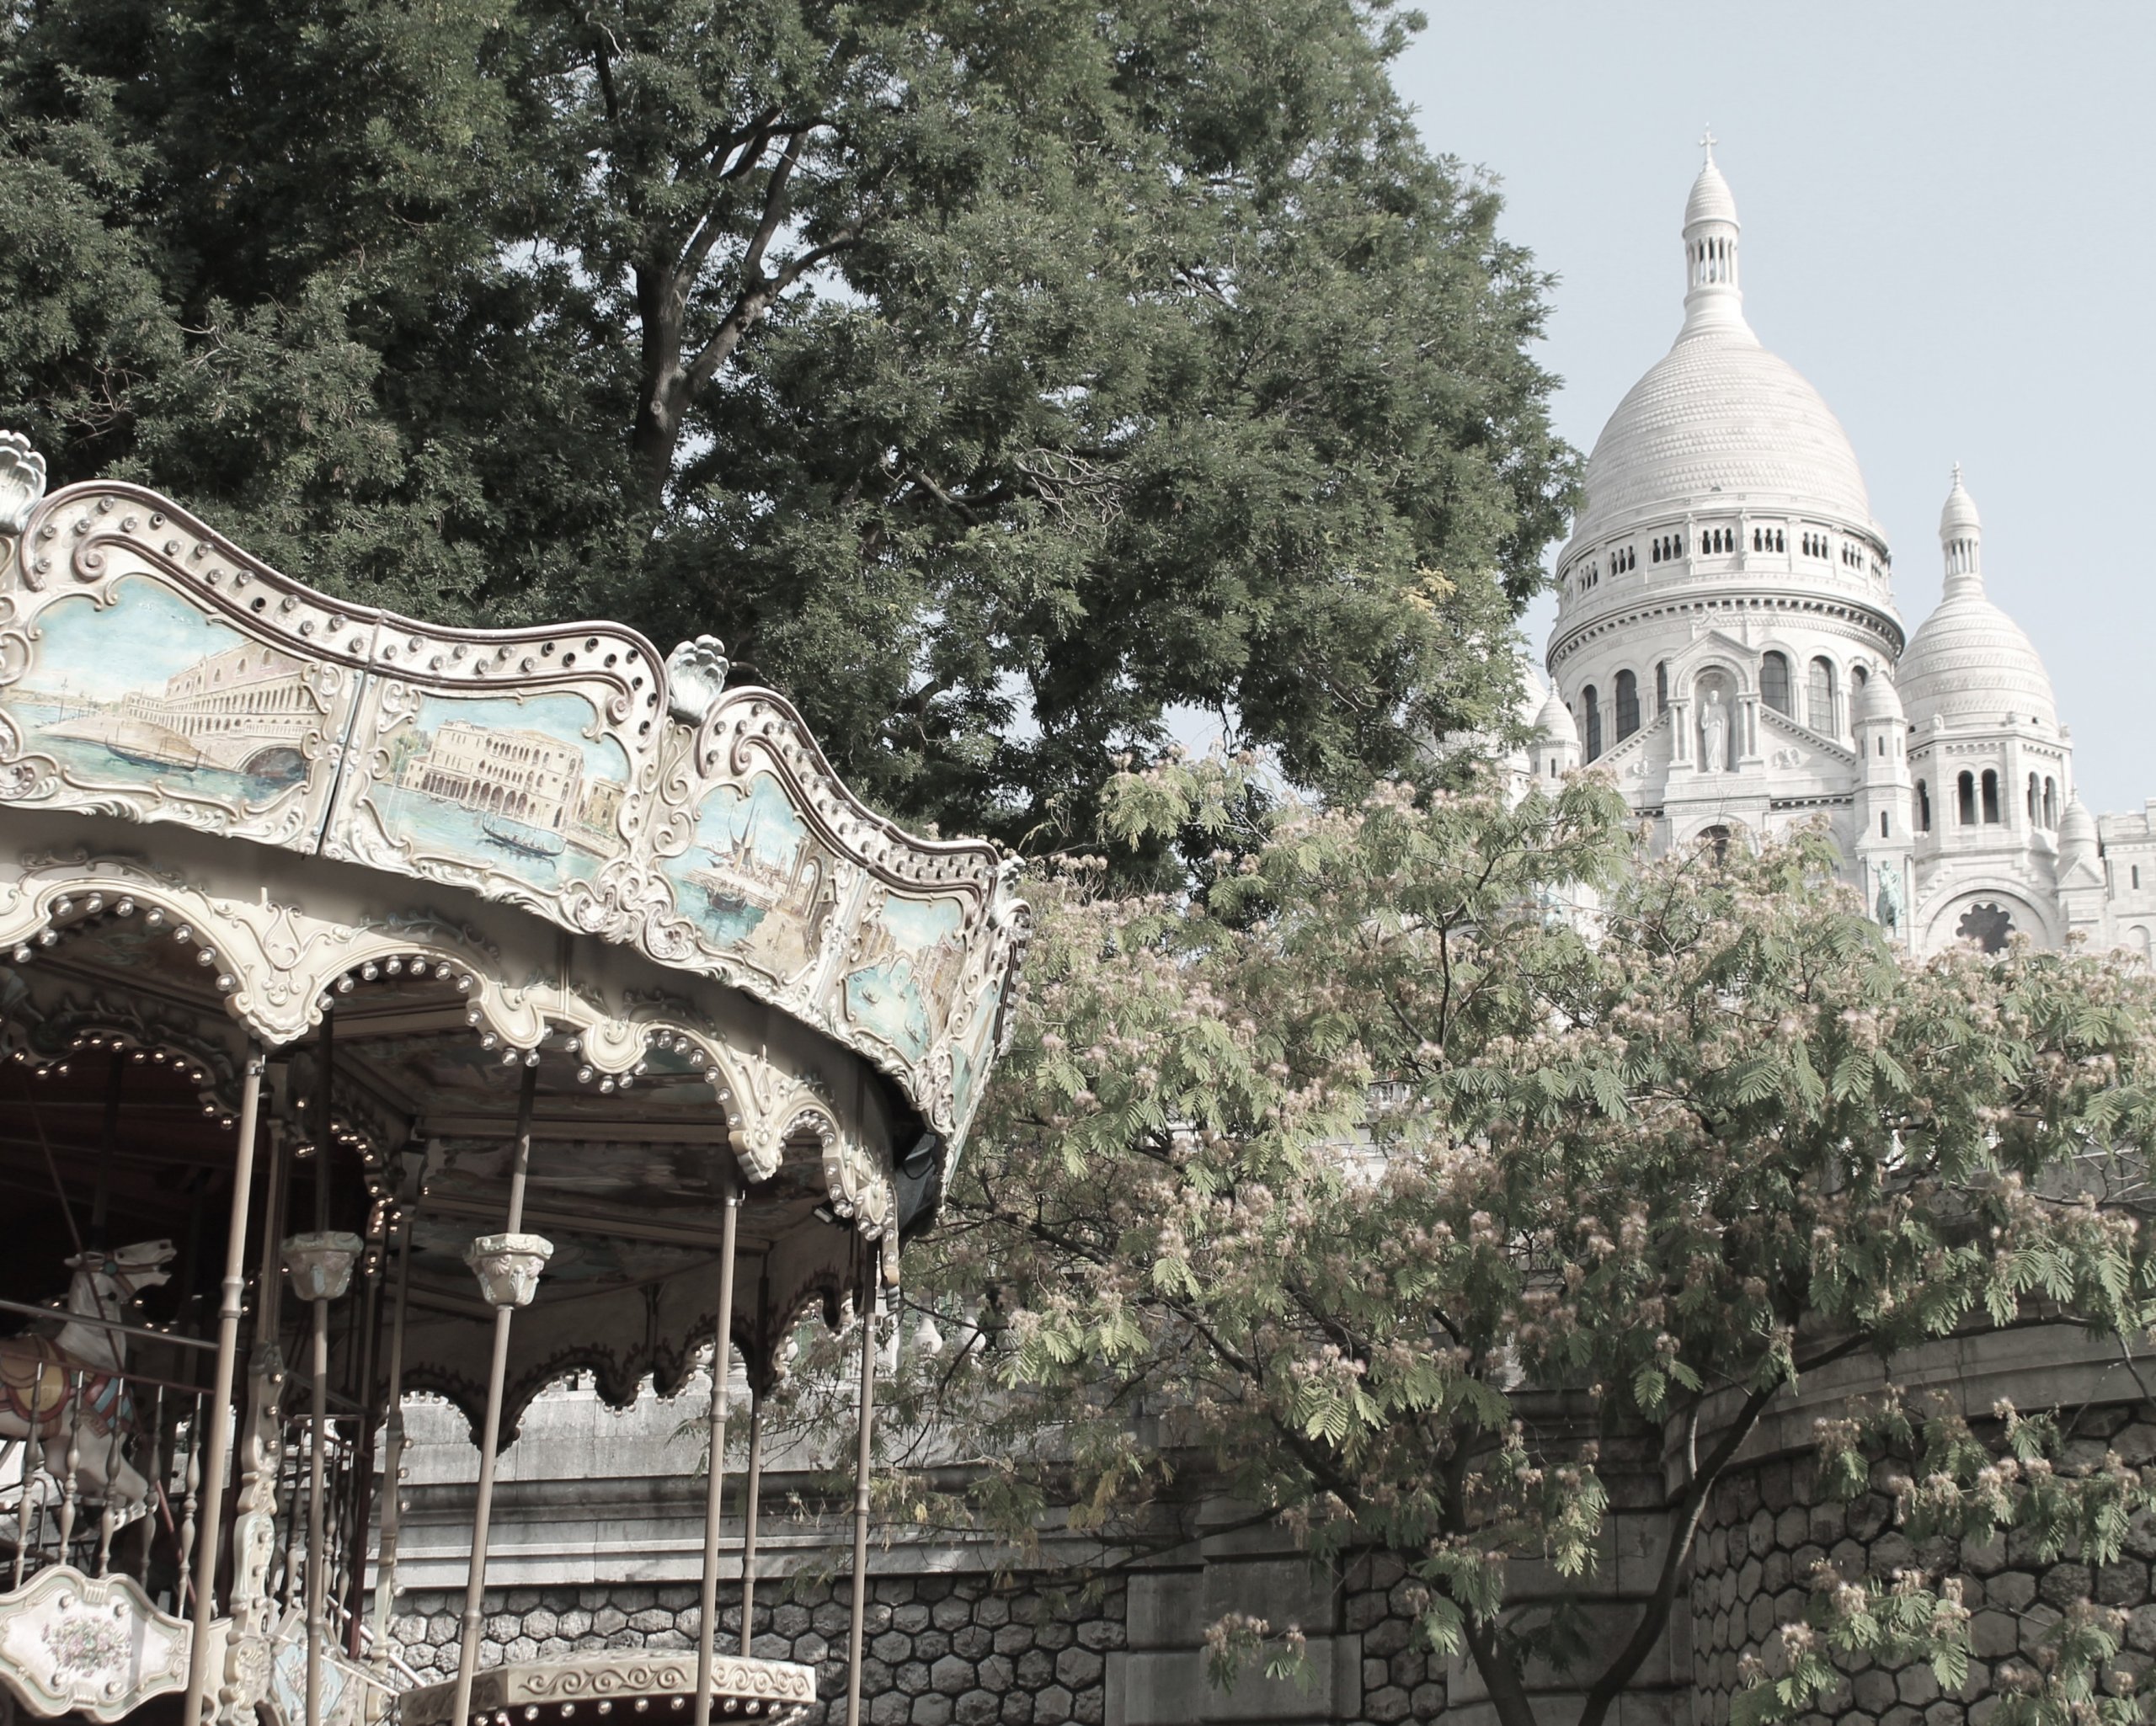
{"points": [[990, 378]]}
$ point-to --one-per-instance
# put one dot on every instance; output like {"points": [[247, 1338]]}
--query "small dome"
{"points": [[1878, 699], [1959, 518], [1711, 200], [2076, 831], [1970, 661], [1554, 723]]}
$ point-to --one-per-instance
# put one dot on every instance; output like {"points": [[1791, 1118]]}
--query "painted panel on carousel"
{"points": [[974, 1043], [134, 688], [529, 787], [754, 883], [907, 959]]}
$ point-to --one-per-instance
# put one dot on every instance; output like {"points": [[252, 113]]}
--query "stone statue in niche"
{"points": [[1889, 907], [1714, 732]]}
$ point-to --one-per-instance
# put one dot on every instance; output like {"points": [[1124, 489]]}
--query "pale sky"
{"points": [[1947, 229]]}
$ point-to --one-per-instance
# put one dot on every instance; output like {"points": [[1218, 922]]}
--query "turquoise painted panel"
{"points": [[530, 787], [138, 687], [753, 883]]}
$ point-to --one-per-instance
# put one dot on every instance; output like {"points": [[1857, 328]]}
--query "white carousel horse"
{"points": [[64, 1393]]}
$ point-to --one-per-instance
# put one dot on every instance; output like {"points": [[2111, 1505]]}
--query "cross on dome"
{"points": [[1707, 141]]}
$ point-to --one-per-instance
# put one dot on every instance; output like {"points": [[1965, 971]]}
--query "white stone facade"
{"points": [[1728, 648]]}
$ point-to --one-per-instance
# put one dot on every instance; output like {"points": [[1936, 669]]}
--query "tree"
{"points": [[1433, 1145], [993, 380]]}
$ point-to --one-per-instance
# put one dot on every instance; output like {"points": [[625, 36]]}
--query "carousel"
{"points": [[391, 1009]]}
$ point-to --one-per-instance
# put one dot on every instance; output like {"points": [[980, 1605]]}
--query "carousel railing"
{"points": [[111, 1453]]}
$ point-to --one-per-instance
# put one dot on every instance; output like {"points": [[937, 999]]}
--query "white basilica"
{"points": [[1727, 645]]}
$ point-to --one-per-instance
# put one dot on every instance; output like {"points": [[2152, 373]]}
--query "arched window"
{"points": [[1991, 797], [2050, 802], [1882, 824], [1966, 786], [1628, 704], [1661, 688], [1923, 807], [1819, 698], [1773, 682], [2032, 800], [1592, 704], [1857, 675]]}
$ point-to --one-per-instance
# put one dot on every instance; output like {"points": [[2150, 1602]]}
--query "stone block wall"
{"points": [[1767, 1527], [942, 1651], [964, 1651]]}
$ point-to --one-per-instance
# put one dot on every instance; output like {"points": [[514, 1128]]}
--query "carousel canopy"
{"points": [[465, 871]]}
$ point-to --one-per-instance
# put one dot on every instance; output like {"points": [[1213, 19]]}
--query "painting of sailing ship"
{"points": [[905, 967], [753, 881], [146, 690], [531, 788]]}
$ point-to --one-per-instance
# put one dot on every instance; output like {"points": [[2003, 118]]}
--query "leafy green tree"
{"points": [[993, 380], [1366, 1183]]}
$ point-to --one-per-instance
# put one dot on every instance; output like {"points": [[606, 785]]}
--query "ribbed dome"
{"points": [[1711, 200], [1969, 661], [2077, 832], [1554, 723], [1719, 414], [1719, 420], [1878, 700]]}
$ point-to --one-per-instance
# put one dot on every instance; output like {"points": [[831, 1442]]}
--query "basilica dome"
{"points": [[1719, 420], [1969, 661]]}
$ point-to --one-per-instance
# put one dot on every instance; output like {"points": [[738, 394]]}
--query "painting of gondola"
{"points": [[147, 691], [753, 882], [528, 788], [905, 965]]}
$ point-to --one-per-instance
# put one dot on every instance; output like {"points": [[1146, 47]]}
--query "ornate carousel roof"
{"points": [[546, 867]]}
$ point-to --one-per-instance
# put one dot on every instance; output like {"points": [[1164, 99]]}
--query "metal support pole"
{"points": [[218, 1414], [722, 1369], [857, 1636], [749, 1516], [483, 1510], [318, 1569], [359, 1457], [392, 1458], [317, 1521]]}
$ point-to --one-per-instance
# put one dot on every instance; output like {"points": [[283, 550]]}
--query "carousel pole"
{"points": [[857, 1634], [722, 1369], [755, 1472], [318, 1568], [482, 1512], [219, 1413], [392, 1451]]}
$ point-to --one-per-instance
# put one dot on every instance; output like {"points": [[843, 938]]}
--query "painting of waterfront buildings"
{"points": [[905, 965], [148, 690], [530, 788], [753, 882]]}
